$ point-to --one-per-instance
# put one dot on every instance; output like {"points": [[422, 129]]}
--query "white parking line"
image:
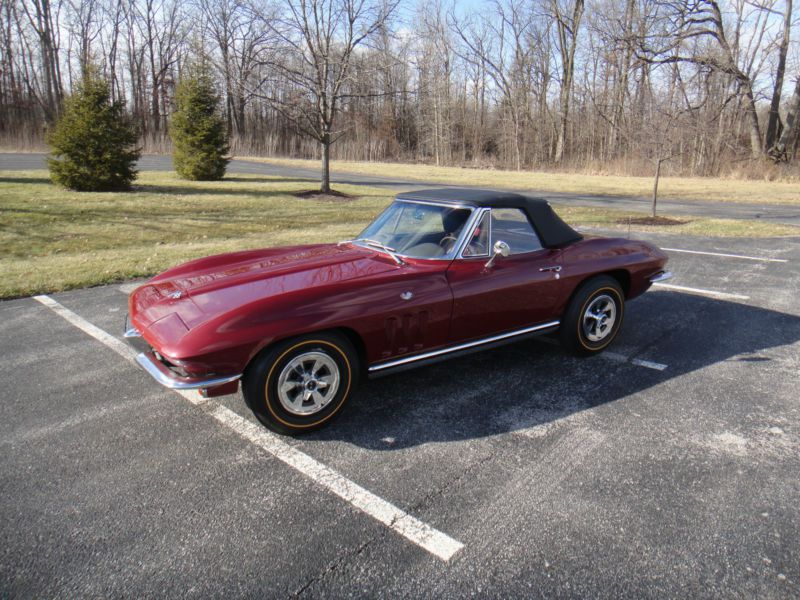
{"points": [[423, 535], [723, 254], [109, 340], [617, 356], [701, 292], [649, 364], [411, 528]]}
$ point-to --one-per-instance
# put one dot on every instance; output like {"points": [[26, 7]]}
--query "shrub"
{"points": [[94, 141], [199, 139]]}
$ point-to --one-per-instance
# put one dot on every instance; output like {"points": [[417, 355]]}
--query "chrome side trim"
{"points": [[132, 332], [464, 346], [663, 276], [168, 379]]}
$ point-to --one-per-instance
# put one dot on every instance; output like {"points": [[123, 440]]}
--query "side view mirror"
{"points": [[500, 248]]}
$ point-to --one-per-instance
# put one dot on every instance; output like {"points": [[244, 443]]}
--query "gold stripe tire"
{"points": [[571, 332], [260, 381]]}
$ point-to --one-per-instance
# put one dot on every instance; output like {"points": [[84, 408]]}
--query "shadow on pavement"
{"points": [[532, 383]]}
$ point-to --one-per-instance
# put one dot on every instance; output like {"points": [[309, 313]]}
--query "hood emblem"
{"points": [[175, 295]]}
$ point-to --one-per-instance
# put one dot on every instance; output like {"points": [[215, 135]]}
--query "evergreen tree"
{"points": [[199, 138], [94, 142]]}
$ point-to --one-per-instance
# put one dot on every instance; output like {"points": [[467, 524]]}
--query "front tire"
{"points": [[301, 384], [593, 317]]}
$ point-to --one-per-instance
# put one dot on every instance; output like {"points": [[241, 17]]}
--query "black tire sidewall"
{"points": [[572, 334], [260, 385]]}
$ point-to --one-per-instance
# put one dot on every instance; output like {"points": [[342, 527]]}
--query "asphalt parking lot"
{"points": [[668, 468]]}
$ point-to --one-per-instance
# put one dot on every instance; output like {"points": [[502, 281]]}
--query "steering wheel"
{"points": [[448, 239]]}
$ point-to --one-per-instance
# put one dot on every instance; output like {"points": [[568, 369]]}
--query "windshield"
{"points": [[418, 230]]}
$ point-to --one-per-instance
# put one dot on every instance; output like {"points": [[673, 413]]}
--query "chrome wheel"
{"points": [[599, 317], [308, 383]]}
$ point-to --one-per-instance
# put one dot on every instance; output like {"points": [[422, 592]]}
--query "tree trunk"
{"points": [[42, 23], [568, 36], [752, 120], [773, 124], [562, 124], [436, 124], [155, 109], [325, 186], [476, 146], [780, 151], [655, 184], [622, 80]]}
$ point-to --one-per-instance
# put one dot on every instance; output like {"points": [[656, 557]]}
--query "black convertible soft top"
{"points": [[552, 231]]}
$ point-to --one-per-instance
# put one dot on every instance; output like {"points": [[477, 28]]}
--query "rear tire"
{"points": [[593, 317], [301, 384]]}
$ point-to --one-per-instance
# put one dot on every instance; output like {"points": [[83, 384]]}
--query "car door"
{"points": [[511, 293], [408, 312]]}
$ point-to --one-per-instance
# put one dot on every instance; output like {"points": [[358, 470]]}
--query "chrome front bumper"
{"points": [[149, 361], [134, 338], [659, 277], [164, 375]]}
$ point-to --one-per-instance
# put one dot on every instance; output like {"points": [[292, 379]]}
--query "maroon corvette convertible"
{"points": [[439, 273]]}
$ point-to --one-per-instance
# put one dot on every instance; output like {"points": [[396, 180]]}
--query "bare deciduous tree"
{"points": [[43, 21], [321, 37], [773, 124], [694, 31], [568, 22], [791, 128], [500, 46], [502, 83]]}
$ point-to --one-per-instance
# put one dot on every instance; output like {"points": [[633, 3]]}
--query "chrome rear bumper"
{"points": [[150, 362], [662, 276]]}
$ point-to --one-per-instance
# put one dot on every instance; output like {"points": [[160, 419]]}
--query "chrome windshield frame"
{"points": [[457, 247]]}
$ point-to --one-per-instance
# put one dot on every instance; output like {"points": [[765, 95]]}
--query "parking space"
{"points": [[761, 271], [111, 486], [560, 476]]}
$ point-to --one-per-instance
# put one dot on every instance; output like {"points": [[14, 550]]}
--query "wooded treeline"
{"points": [[705, 87]]}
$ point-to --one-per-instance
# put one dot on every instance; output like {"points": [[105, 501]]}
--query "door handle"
{"points": [[554, 269]]}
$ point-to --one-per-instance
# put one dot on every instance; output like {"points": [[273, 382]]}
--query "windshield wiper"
{"points": [[376, 244]]}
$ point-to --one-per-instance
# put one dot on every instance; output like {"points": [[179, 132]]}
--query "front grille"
{"points": [[178, 370]]}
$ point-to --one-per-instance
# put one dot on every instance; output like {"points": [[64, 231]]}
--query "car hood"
{"points": [[204, 288]]}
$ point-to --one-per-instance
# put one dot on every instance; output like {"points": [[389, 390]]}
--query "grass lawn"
{"points": [[52, 239], [678, 188]]}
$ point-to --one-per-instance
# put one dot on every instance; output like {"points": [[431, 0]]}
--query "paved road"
{"points": [[562, 477], [777, 213]]}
